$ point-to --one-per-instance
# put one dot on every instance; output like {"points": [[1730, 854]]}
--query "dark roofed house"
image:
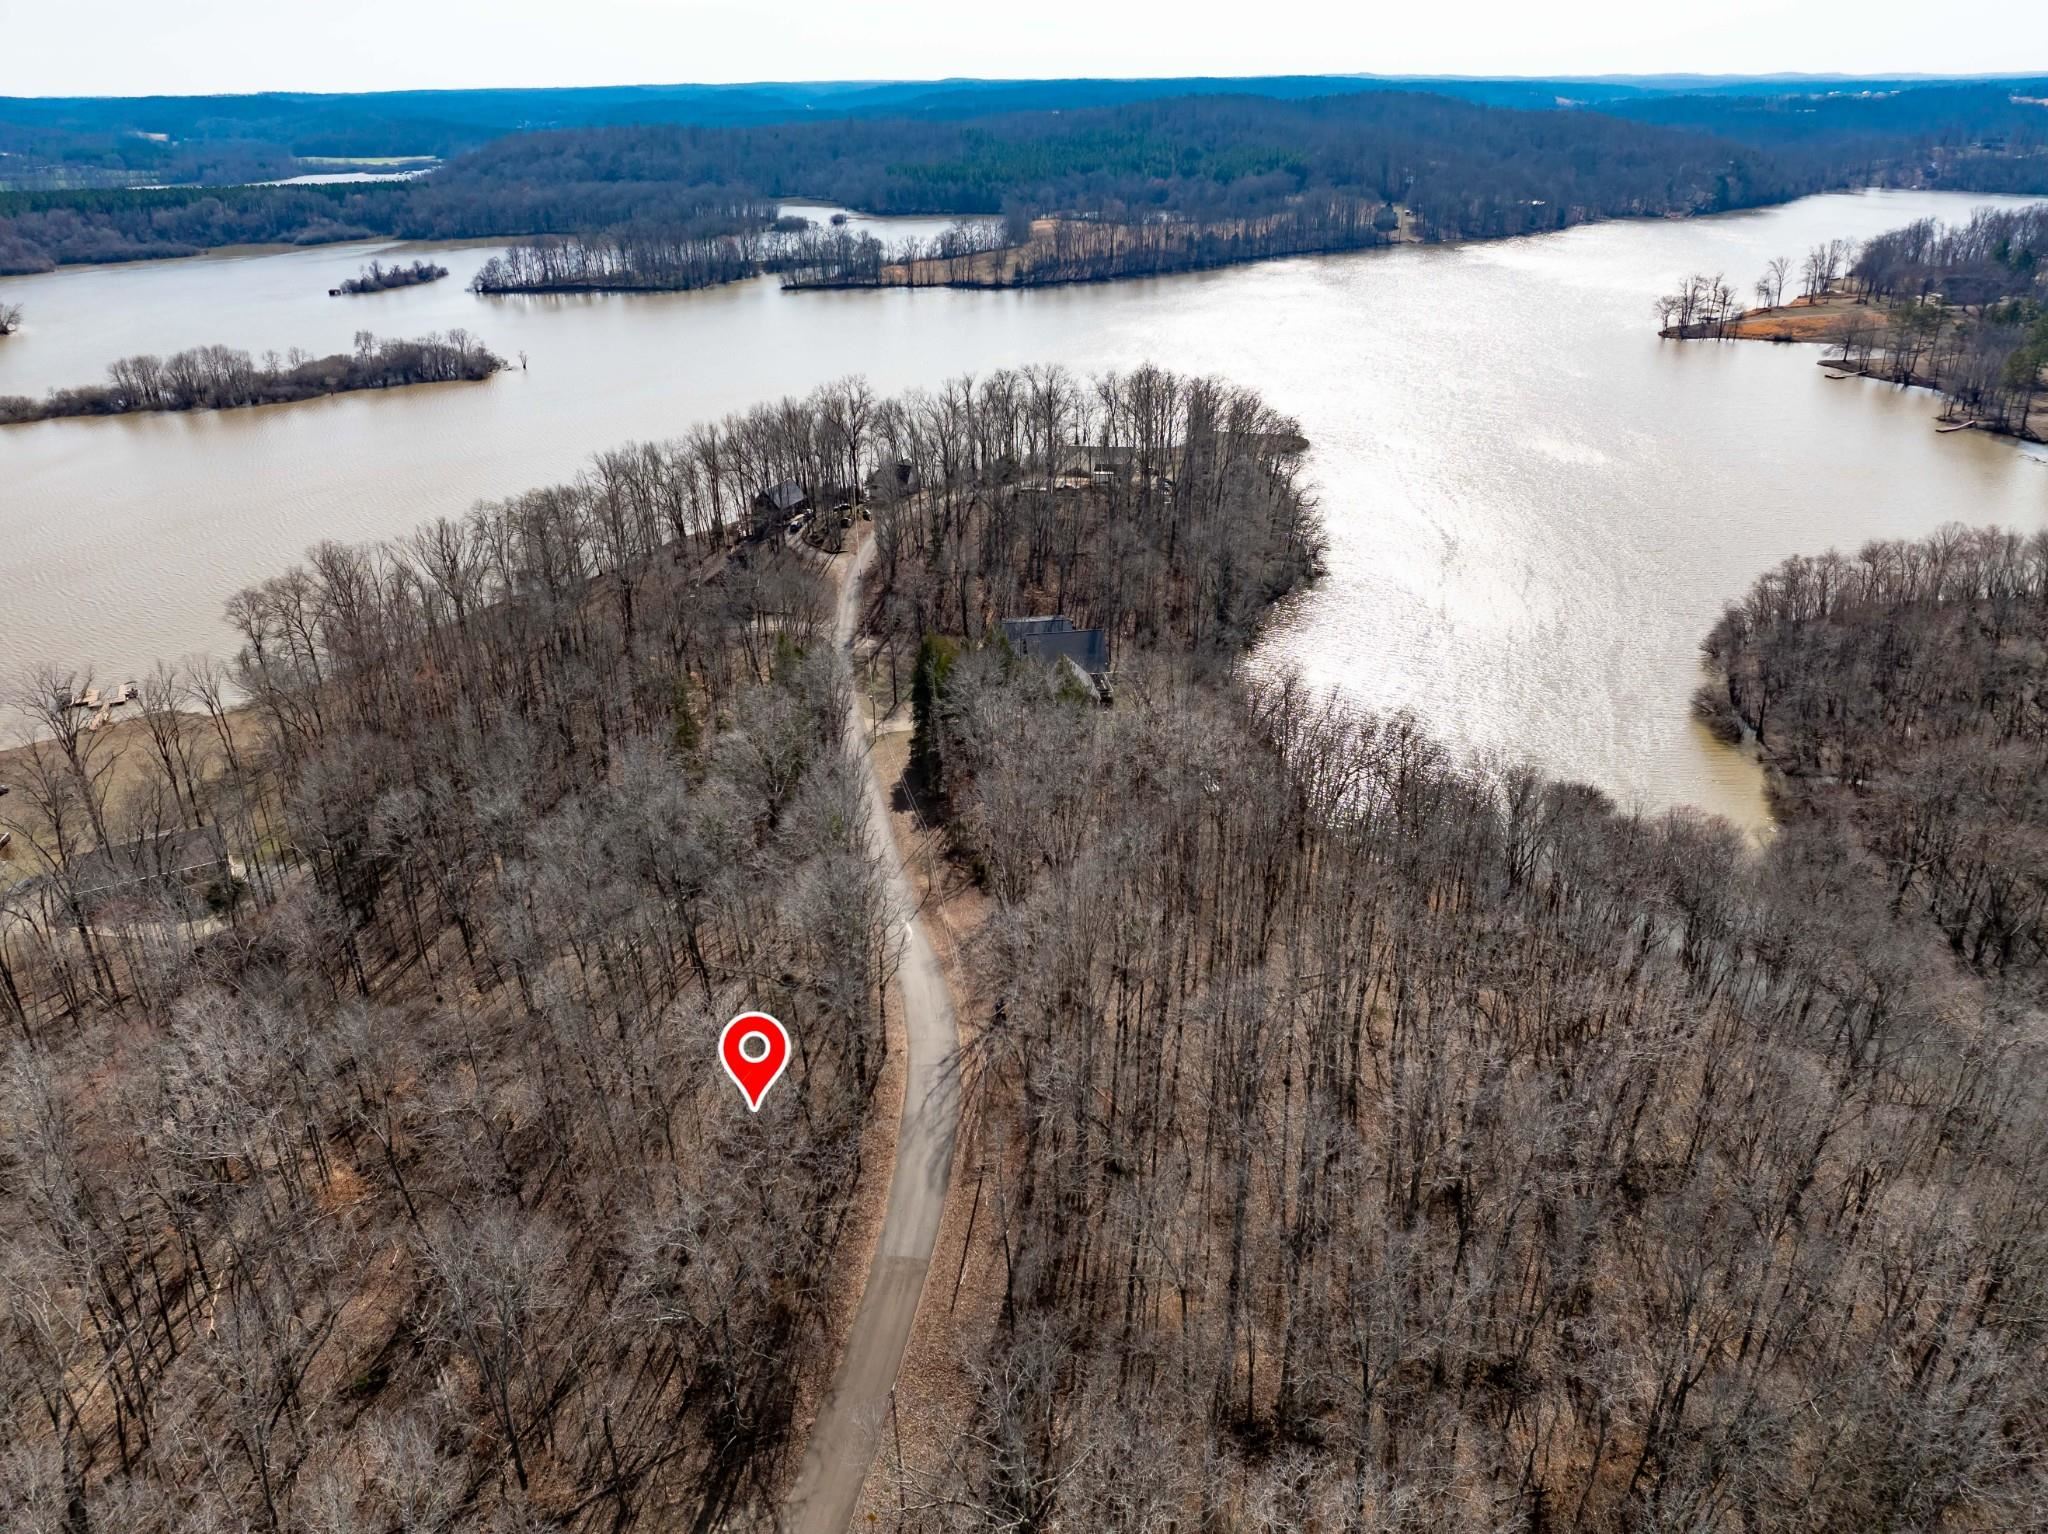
{"points": [[1019, 630], [785, 499], [1092, 458], [153, 865], [1054, 641], [898, 478]]}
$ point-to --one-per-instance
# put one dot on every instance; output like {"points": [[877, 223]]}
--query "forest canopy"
{"points": [[1962, 308], [179, 139], [1375, 1140], [1898, 693], [1466, 168], [1371, 1139]]}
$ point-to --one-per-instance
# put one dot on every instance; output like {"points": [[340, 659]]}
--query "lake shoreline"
{"points": [[1524, 556], [2034, 431], [1850, 322], [222, 379], [902, 274]]}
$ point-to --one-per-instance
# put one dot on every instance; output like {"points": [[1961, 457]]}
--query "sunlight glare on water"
{"points": [[1536, 508]]}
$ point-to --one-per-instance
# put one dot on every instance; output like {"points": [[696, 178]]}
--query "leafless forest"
{"points": [[1997, 254], [655, 260], [376, 277], [1897, 693], [380, 1184], [374, 1178], [1375, 1141], [227, 378], [1701, 307], [1367, 1140], [1388, 1145], [1091, 249], [1169, 511], [1962, 309]]}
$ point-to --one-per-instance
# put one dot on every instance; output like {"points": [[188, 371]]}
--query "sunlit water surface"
{"points": [[1536, 508]]}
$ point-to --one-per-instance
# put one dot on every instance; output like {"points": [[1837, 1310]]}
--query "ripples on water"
{"points": [[1536, 509]]}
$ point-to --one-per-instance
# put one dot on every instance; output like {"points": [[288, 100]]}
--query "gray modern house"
{"points": [[1082, 654]]}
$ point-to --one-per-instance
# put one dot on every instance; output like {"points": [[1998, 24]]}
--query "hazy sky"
{"points": [[135, 47]]}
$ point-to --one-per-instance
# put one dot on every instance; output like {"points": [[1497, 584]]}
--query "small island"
{"points": [[10, 318], [223, 378], [379, 278], [623, 261]]}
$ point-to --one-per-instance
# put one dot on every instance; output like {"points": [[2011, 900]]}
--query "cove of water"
{"points": [[1535, 507]]}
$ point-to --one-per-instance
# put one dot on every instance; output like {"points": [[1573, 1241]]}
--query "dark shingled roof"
{"points": [[170, 855], [1049, 639]]}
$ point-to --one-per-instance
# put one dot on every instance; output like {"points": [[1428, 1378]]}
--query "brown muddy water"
{"points": [[1536, 508]]}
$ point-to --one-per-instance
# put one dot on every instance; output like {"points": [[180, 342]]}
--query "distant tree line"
{"points": [[49, 158], [39, 230], [378, 278], [644, 259], [224, 378], [1467, 171], [623, 261], [1980, 136], [1999, 254], [171, 139], [1089, 249]]}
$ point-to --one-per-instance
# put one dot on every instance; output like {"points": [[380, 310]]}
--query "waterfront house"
{"points": [[782, 500], [176, 864], [1092, 460], [1081, 655]]}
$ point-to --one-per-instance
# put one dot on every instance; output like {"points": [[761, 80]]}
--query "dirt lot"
{"points": [[1827, 320]]}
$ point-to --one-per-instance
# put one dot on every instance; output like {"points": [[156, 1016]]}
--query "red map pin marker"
{"points": [[754, 1048]]}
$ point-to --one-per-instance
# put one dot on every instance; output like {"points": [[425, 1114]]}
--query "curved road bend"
{"points": [[855, 1414]]}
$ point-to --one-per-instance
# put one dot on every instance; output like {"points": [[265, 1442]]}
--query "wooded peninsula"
{"points": [[1896, 696], [223, 378], [1958, 309], [1356, 1137], [1043, 252]]}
